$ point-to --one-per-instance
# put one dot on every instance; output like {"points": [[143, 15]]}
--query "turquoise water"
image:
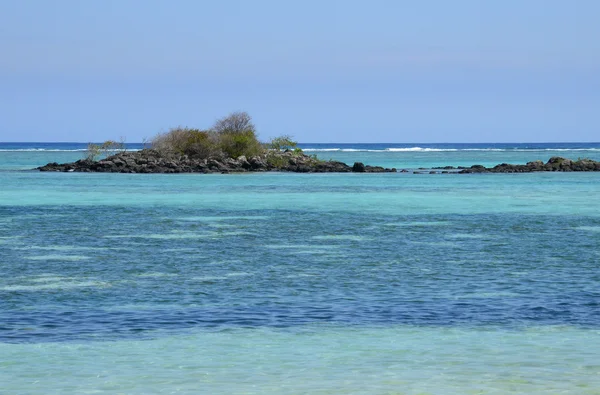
{"points": [[298, 283]]}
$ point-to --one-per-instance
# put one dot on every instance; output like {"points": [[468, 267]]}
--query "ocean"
{"points": [[277, 283]]}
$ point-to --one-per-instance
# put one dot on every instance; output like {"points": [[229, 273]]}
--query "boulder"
{"points": [[257, 163], [358, 167]]}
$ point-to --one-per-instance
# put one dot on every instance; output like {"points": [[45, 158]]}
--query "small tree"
{"points": [[110, 147], [194, 143], [171, 142], [200, 144], [107, 148], [92, 152], [231, 136], [236, 122], [236, 135], [282, 143]]}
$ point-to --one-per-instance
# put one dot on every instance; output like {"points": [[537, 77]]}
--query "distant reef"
{"points": [[152, 161], [556, 163]]}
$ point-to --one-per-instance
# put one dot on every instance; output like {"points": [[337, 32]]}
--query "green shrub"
{"points": [[110, 147], [236, 135], [107, 148], [277, 160], [200, 144], [92, 152], [172, 142], [283, 143], [235, 144], [231, 136]]}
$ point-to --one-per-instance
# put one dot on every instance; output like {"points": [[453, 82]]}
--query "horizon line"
{"points": [[347, 143]]}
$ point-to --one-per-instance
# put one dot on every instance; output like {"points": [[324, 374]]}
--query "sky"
{"points": [[321, 71]]}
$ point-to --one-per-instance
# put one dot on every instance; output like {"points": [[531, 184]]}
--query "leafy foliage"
{"points": [[277, 161], [200, 144], [107, 148], [92, 152], [237, 144], [283, 143], [231, 136], [237, 135]]}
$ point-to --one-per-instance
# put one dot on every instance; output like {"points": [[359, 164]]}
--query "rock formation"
{"points": [[556, 163], [151, 161]]}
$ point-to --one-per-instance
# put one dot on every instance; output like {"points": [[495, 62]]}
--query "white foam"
{"points": [[218, 219], [342, 237], [299, 246], [484, 295], [56, 257], [419, 149], [589, 228], [54, 150], [157, 274], [422, 149], [55, 285], [168, 236], [299, 275], [466, 236], [239, 274], [219, 234], [61, 248], [209, 278], [42, 150], [50, 279], [418, 223]]}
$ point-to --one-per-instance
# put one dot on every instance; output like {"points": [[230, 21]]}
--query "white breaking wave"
{"points": [[53, 150], [41, 150], [420, 149], [412, 149], [340, 150]]}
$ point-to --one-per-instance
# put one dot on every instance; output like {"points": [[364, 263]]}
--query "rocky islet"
{"points": [[152, 161]]}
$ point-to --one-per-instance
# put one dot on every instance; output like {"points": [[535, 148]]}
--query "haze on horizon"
{"points": [[336, 71]]}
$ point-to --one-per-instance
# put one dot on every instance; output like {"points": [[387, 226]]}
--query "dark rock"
{"points": [[151, 161], [302, 169], [358, 167], [244, 164], [374, 169], [331, 167], [556, 163], [257, 163]]}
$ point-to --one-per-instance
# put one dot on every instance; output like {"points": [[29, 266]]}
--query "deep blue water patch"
{"points": [[69, 273]]}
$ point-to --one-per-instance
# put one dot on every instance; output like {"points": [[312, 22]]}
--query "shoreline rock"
{"points": [[556, 163], [152, 161]]}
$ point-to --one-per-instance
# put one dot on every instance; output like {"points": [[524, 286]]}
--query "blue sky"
{"points": [[322, 71]]}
